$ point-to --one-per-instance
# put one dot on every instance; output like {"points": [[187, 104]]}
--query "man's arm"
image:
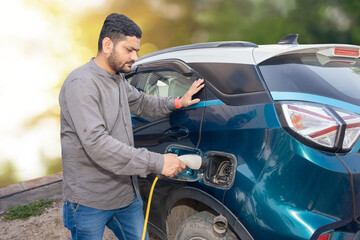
{"points": [[83, 106], [145, 105]]}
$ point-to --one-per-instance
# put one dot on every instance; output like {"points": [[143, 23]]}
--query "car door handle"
{"points": [[176, 132]]}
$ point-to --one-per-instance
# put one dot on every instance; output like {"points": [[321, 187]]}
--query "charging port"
{"points": [[220, 170]]}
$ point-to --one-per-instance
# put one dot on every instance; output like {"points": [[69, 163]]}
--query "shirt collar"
{"points": [[114, 76]]}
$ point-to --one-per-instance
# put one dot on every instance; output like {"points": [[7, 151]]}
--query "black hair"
{"points": [[117, 27]]}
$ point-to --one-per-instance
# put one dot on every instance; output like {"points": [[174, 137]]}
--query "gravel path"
{"points": [[47, 226]]}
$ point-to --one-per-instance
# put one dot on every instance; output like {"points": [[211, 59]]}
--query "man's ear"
{"points": [[107, 45]]}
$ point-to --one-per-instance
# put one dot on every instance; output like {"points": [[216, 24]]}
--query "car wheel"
{"points": [[200, 227]]}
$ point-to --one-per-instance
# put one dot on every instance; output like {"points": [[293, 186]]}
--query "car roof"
{"points": [[231, 51], [227, 44], [238, 51]]}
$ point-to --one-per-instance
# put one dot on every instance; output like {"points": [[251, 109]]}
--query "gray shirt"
{"points": [[100, 163]]}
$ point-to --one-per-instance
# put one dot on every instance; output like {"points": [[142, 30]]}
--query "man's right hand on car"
{"points": [[172, 165]]}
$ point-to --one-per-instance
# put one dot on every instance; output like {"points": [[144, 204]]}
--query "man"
{"points": [[100, 163]]}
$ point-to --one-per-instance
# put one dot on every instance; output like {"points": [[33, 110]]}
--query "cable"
{"points": [[192, 161], [148, 208]]}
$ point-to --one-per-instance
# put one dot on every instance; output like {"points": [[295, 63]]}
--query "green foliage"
{"points": [[51, 164], [168, 23], [8, 173], [266, 22], [356, 70], [25, 211]]}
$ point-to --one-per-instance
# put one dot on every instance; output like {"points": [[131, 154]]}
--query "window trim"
{"points": [[175, 65], [181, 67]]}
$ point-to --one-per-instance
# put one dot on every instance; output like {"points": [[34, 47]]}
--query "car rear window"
{"points": [[337, 78]]}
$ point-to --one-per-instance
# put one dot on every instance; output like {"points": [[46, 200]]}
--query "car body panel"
{"points": [[282, 188], [235, 130], [256, 145], [156, 133], [294, 203], [352, 161]]}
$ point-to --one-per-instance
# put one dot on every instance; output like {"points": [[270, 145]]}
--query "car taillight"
{"points": [[324, 237], [330, 129], [312, 122], [352, 131], [348, 52]]}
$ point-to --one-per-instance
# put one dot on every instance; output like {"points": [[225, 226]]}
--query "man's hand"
{"points": [[187, 100], [172, 165]]}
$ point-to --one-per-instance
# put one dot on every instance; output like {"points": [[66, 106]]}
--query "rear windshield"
{"points": [[337, 78]]}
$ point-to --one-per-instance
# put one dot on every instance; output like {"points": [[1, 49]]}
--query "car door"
{"points": [[168, 78]]}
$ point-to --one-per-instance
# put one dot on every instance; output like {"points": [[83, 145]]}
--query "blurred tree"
{"points": [[167, 23], [266, 22], [351, 9], [164, 23], [8, 173], [52, 165]]}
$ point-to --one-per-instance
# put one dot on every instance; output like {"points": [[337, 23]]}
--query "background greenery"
{"points": [[25, 211], [168, 23]]}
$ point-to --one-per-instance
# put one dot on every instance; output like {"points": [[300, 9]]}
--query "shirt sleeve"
{"points": [[84, 109], [145, 105]]}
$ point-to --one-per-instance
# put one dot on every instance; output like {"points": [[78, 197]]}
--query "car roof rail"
{"points": [[236, 44], [289, 39]]}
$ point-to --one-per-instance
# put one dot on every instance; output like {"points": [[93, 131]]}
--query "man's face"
{"points": [[124, 54]]}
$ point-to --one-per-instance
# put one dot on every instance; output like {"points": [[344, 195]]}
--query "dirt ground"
{"points": [[47, 226]]}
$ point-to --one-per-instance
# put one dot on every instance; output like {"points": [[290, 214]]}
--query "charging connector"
{"points": [[192, 161]]}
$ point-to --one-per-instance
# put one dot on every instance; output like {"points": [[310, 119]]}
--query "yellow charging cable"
{"points": [[148, 208]]}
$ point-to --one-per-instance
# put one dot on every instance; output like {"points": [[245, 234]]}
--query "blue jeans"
{"points": [[89, 223]]}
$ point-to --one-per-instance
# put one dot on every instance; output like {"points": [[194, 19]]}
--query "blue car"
{"points": [[277, 129]]}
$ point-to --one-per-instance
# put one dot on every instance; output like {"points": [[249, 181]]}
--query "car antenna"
{"points": [[289, 39]]}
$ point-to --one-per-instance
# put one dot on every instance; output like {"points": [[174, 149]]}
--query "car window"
{"points": [[336, 78], [230, 78], [164, 83]]}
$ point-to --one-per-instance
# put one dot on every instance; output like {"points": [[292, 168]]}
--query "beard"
{"points": [[116, 65]]}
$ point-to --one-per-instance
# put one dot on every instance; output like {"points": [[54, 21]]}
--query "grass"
{"points": [[25, 211]]}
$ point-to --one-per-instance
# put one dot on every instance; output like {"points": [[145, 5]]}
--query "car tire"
{"points": [[200, 227]]}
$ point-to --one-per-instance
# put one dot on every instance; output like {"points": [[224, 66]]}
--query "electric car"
{"points": [[277, 129]]}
